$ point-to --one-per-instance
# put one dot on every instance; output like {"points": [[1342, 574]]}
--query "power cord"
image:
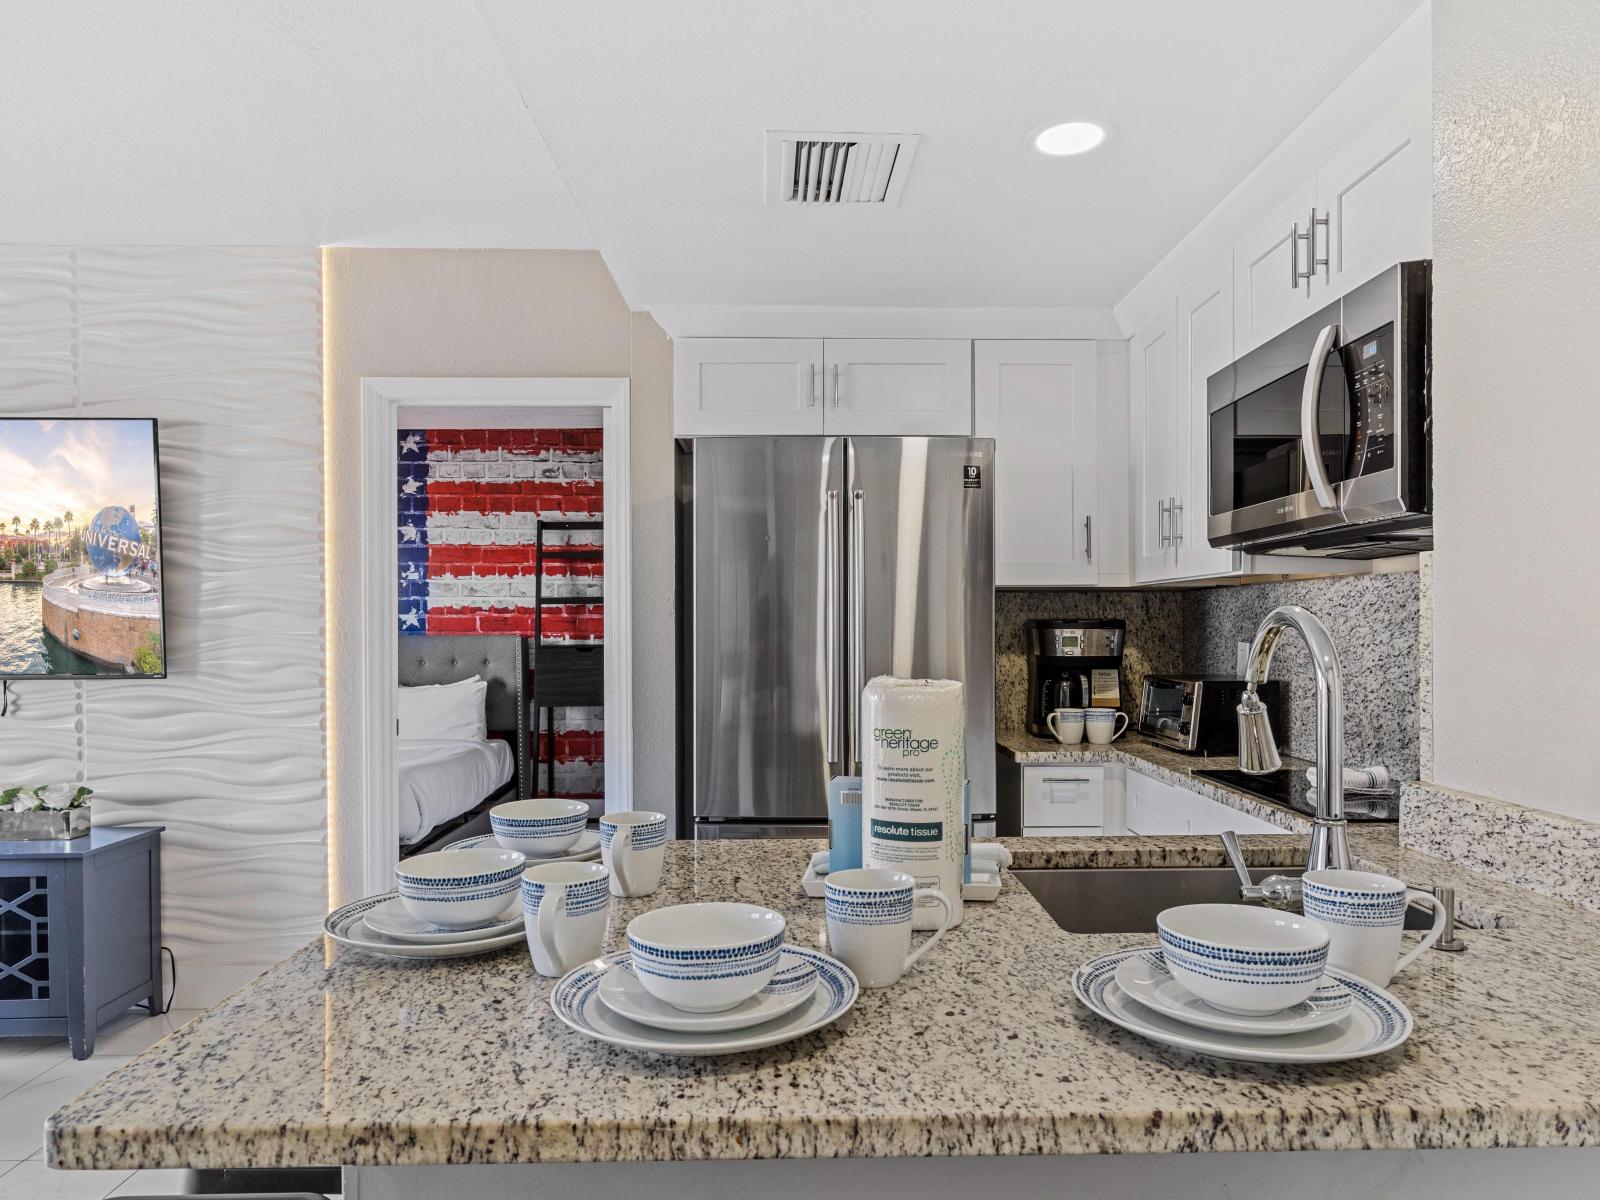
{"points": [[172, 992]]}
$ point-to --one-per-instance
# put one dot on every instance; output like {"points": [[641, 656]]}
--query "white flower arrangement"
{"points": [[47, 796]]}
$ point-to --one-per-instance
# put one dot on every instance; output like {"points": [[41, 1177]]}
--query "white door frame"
{"points": [[381, 400]]}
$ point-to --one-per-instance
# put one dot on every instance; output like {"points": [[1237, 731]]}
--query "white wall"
{"points": [[1516, 579], [223, 348]]}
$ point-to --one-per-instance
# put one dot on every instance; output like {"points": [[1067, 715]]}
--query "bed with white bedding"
{"points": [[443, 780], [456, 761]]}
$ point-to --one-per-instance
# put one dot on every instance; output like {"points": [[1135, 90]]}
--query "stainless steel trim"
{"points": [[1310, 402], [858, 570], [1327, 236], [1088, 539], [1309, 238], [831, 632]]}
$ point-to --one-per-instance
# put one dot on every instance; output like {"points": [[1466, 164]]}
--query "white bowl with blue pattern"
{"points": [[457, 889], [706, 958], [1242, 959], [538, 828]]}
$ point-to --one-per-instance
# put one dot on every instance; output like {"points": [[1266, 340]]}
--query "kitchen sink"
{"points": [[1127, 899]]}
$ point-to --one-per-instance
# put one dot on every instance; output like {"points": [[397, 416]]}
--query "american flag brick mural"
{"points": [[469, 503]]}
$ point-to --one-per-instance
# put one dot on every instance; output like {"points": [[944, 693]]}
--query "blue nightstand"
{"points": [[80, 932]]}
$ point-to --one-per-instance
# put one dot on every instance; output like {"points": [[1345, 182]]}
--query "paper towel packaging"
{"points": [[913, 780]]}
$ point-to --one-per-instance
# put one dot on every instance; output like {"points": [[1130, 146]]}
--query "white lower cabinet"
{"points": [[1063, 801], [1155, 806], [1086, 801]]}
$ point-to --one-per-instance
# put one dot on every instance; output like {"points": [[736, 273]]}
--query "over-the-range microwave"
{"points": [[1319, 439]]}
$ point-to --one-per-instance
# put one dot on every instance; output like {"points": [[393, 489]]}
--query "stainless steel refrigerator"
{"points": [[807, 566]]}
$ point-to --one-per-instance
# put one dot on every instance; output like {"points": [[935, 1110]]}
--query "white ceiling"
{"points": [[407, 123], [655, 114], [268, 122]]}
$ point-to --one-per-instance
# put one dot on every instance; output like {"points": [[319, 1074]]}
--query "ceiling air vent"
{"points": [[837, 168]]}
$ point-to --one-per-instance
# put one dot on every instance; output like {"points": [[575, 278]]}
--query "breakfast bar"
{"points": [[981, 1050]]}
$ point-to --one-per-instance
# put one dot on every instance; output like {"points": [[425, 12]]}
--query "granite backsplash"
{"points": [[1374, 620], [1154, 641]]}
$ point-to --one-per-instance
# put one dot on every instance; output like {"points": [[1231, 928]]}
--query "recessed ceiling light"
{"points": [[1069, 137]]}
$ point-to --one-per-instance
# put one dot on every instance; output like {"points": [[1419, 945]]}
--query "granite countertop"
{"points": [[332, 1057]]}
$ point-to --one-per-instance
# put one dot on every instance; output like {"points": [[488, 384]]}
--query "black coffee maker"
{"points": [[1073, 663]]}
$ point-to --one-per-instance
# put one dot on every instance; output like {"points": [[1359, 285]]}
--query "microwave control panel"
{"points": [[1369, 364]]}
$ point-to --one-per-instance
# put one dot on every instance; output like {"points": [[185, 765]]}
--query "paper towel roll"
{"points": [[913, 778]]}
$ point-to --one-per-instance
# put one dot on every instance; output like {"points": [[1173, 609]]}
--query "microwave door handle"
{"points": [[1310, 400]]}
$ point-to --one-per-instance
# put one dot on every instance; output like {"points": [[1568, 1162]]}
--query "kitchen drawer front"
{"points": [[1059, 797], [1063, 831]]}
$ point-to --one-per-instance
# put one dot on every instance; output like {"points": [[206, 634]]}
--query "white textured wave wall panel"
{"points": [[223, 347], [41, 737]]}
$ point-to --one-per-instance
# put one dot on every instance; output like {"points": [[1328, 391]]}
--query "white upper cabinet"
{"points": [[1205, 346], [747, 386], [889, 386], [1270, 285], [1157, 419], [1039, 401], [898, 386], [1369, 207], [1378, 195]]}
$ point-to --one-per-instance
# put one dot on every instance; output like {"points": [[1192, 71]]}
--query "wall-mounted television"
{"points": [[80, 549]]}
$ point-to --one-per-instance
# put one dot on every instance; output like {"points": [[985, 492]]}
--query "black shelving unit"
{"points": [[564, 675]]}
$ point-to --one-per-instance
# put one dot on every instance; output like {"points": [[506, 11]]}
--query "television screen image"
{"points": [[80, 549]]}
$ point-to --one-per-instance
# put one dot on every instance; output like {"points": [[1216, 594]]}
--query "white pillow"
{"points": [[451, 712]]}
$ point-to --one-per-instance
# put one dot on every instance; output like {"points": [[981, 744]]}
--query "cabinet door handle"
{"points": [[1088, 539], [836, 385], [1312, 261], [1177, 521], [1295, 238], [1161, 523], [811, 390]]}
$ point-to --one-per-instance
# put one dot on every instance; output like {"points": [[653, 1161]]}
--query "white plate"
{"points": [[1144, 977], [576, 1001], [1376, 1021], [392, 920], [790, 986], [348, 927], [586, 847]]}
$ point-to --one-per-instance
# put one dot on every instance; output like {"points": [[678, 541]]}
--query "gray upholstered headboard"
{"points": [[498, 660]]}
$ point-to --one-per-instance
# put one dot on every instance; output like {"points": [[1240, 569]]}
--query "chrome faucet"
{"points": [[1258, 750]]}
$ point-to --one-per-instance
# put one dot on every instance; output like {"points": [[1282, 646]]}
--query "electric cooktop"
{"points": [[1289, 788]]}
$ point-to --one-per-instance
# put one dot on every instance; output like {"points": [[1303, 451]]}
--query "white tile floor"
{"points": [[37, 1076]]}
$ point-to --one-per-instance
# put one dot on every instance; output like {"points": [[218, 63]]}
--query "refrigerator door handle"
{"points": [[858, 658], [832, 712]]}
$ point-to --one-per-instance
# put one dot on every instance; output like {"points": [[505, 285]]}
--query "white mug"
{"points": [[1100, 725], [869, 922], [564, 909], [1067, 725], [633, 846], [1365, 915]]}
